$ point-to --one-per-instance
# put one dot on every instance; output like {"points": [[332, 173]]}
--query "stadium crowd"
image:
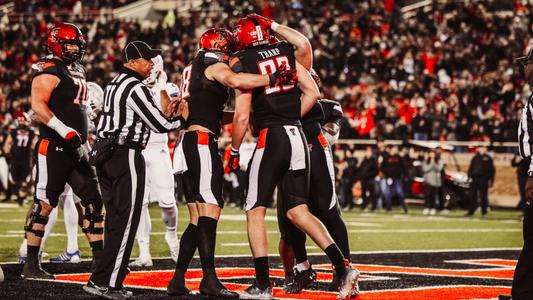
{"points": [[440, 75]]}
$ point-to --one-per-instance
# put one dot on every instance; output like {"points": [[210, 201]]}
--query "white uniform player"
{"points": [[159, 178]]}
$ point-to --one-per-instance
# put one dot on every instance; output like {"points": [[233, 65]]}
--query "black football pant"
{"points": [[523, 275], [122, 180], [479, 195]]}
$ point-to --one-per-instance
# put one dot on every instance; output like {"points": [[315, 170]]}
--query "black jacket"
{"points": [[392, 166], [481, 168], [368, 169]]}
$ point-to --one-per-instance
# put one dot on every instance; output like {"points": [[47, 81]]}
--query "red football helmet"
{"points": [[62, 35], [249, 33], [219, 39]]}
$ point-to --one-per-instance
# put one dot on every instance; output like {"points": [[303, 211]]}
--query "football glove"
{"points": [[233, 163]]}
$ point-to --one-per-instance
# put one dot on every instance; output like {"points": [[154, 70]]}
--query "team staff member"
{"points": [[281, 151], [123, 130], [59, 98], [523, 275]]}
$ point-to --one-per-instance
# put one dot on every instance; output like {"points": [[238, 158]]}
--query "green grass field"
{"points": [[367, 231]]}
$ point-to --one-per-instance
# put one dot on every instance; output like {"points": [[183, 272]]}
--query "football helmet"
{"points": [[96, 99], [22, 120], [219, 39], [249, 33], [66, 34]]}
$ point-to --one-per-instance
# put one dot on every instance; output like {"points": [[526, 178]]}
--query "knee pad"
{"points": [[92, 217], [35, 217]]}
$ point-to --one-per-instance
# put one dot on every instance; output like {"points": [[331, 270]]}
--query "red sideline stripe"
{"points": [[261, 141], [43, 147], [203, 138]]}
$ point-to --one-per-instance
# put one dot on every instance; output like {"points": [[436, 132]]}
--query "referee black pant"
{"points": [[523, 274], [122, 180]]}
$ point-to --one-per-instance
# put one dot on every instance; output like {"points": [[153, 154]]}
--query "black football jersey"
{"points": [[69, 98], [206, 98], [272, 105], [22, 138], [324, 111]]}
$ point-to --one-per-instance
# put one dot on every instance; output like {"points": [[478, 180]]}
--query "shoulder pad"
{"points": [[332, 110], [235, 62], [44, 66], [212, 57]]}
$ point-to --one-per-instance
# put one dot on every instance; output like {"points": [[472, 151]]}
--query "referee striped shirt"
{"points": [[130, 113]]}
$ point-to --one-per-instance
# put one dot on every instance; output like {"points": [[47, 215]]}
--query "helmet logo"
{"points": [[259, 32]]}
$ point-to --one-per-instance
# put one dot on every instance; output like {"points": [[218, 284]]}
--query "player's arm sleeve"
{"points": [[243, 107], [303, 51], [42, 87], [143, 104], [222, 73], [310, 92]]}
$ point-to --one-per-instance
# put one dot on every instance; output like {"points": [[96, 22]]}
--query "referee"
{"points": [[128, 116], [523, 275]]}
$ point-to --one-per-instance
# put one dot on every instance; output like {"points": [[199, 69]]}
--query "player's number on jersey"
{"points": [[22, 140], [81, 96], [270, 66], [186, 82]]}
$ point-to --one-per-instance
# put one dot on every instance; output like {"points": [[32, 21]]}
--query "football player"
{"points": [[281, 151], [58, 98], [159, 176], [19, 145], [204, 86], [321, 129]]}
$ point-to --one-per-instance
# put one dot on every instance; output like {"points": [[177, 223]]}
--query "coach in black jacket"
{"points": [[481, 171]]}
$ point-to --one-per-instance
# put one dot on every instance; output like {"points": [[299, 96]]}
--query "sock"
{"points": [[303, 266], [169, 218], [70, 215], [336, 227], [52, 219], [23, 250], [97, 245], [298, 243], [188, 244], [33, 252], [143, 232], [337, 259], [207, 232], [261, 272]]}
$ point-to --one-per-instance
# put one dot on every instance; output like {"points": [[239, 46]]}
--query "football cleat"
{"points": [[67, 257], [212, 287], [106, 292], [33, 270], [141, 262], [176, 286], [300, 281], [254, 292], [348, 283]]}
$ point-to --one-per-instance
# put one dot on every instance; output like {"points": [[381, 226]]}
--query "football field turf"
{"points": [[400, 256]]}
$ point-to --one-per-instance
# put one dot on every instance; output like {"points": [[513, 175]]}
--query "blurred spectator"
{"points": [[481, 171], [366, 174], [392, 185], [432, 168]]}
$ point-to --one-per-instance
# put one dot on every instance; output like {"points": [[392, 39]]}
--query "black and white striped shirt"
{"points": [[129, 112], [525, 131]]}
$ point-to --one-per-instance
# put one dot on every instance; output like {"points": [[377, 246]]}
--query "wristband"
{"points": [[274, 25], [59, 126], [234, 151]]}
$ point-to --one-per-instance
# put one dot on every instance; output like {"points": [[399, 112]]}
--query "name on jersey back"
{"points": [[269, 53]]}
